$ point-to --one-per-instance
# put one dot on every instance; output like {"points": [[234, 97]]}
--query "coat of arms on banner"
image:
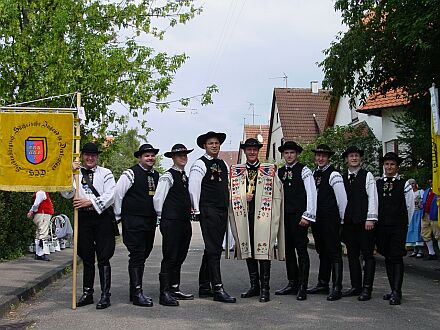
{"points": [[36, 149]]}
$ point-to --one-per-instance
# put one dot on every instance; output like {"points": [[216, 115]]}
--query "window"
{"points": [[391, 146], [278, 118], [274, 151]]}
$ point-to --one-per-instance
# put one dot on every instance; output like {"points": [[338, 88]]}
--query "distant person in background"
{"points": [[40, 213], [429, 221], [414, 236]]}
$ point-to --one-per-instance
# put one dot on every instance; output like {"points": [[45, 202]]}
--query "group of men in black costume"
{"points": [[370, 214]]}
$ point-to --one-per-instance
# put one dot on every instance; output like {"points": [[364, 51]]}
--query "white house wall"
{"points": [[344, 117], [389, 129], [276, 136]]}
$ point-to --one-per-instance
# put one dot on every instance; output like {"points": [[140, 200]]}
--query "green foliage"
{"points": [[389, 45], [97, 47], [339, 138], [414, 137]]}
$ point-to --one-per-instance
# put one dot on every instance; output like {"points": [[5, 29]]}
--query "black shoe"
{"points": [[431, 257], [140, 300], [166, 298], [179, 295], [352, 292], [395, 298], [137, 293], [302, 293], [365, 294], [386, 296], [43, 258], [86, 298], [104, 302], [254, 290], [205, 290], [321, 287], [290, 288], [336, 294], [105, 277], [265, 295], [221, 295]]}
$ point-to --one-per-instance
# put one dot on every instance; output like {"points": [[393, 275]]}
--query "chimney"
{"points": [[314, 86]]}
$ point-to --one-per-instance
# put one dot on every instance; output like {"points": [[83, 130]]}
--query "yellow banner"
{"points": [[36, 151]]}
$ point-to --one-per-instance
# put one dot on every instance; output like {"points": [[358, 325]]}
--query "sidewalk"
{"points": [[22, 278]]}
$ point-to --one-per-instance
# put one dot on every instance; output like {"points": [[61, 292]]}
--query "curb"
{"points": [[31, 288]]}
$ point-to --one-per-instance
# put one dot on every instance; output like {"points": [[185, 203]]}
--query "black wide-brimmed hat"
{"points": [[251, 142], [352, 149], [290, 145], [145, 148], [90, 148], [177, 149], [323, 148], [391, 156], [201, 140]]}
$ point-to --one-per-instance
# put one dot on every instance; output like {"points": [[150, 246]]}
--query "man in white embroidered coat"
{"points": [[256, 215]]}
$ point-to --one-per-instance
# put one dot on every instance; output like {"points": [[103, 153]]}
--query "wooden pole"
{"points": [[77, 136]]}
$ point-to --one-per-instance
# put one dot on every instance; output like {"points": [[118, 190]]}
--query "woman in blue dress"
{"points": [[414, 237]]}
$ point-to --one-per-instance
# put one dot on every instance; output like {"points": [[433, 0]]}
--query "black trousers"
{"points": [[213, 223], [327, 243], [358, 241], [391, 242], [296, 240], [138, 236], [176, 237], [95, 236]]}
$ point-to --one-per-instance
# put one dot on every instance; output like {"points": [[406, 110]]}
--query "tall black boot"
{"points": [[254, 278], [166, 298], [304, 269], [217, 287], [264, 279], [175, 288], [86, 298], [323, 277], [354, 266], [131, 284], [396, 294], [205, 289], [336, 293], [105, 277], [390, 276], [367, 287], [292, 276], [138, 294]]}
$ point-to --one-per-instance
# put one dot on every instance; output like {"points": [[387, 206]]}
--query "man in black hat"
{"points": [[331, 204], [173, 206], [359, 221], [299, 211], [95, 224], [396, 207], [257, 217], [208, 188], [134, 206]]}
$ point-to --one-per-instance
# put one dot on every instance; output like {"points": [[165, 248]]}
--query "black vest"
{"points": [[392, 204], [177, 204], [138, 200], [214, 189], [295, 196], [327, 205], [357, 198]]}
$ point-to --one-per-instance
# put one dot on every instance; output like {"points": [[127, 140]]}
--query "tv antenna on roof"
{"points": [[252, 109], [283, 77]]}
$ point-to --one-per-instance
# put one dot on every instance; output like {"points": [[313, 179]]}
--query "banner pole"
{"points": [[77, 137]]}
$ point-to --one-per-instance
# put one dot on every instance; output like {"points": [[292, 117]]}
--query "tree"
{"points": [[389, 45], [55, 47], [338, 138]]}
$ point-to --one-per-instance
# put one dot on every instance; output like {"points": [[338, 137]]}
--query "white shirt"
{"points": [[196, 174], [371, 190], [104, 183], [166, 181], [40, 196], [126, 180]]}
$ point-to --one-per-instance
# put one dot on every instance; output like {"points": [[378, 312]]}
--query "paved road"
{"points": [[51, 308]]}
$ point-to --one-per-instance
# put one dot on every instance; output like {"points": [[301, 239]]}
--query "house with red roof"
{"points": [[259, 132]]}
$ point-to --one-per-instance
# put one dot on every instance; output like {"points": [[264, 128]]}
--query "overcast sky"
{"points": [[239, 45]]}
